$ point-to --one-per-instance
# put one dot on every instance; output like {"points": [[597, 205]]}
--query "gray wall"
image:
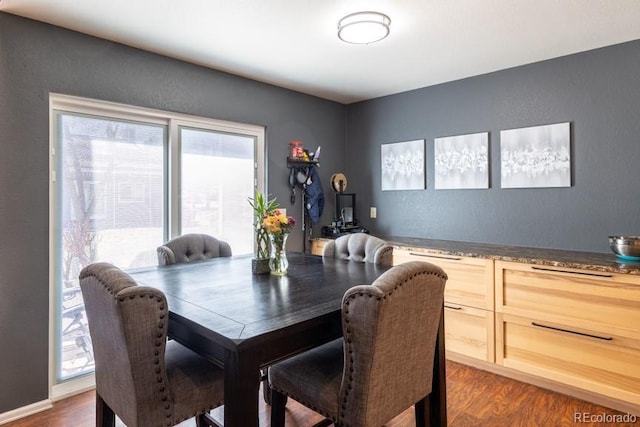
{"points": [[597, 91], [36, 59]]}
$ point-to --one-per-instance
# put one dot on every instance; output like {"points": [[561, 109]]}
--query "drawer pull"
{"points": [[452, 307], [571, 272], [434, 256], [572, 332]]}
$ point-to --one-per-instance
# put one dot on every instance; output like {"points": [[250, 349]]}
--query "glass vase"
{"points": [[278, 262]]}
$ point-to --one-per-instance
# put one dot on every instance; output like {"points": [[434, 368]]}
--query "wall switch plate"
{"points": [[373, 212], [283, 211]]}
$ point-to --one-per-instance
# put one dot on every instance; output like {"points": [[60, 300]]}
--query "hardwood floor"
{"points": [[475, 398]]}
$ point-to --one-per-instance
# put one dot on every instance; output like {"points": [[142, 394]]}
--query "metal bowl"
{"points": [[626, 247]]}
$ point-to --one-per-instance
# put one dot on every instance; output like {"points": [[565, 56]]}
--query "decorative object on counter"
{"points": [[403, 166], [536, 157], [462, 161], [627, 248], [262, 208], [278, 226]]}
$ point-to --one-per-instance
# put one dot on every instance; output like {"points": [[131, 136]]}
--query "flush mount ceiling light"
{"points": [[363, 27]]}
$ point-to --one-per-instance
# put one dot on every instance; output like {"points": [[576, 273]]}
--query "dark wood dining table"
{"points": [[245, 322]]}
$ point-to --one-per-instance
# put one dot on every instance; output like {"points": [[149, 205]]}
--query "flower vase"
{"points": [[278, 262]]}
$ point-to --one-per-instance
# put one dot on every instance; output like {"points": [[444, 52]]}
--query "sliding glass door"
{"points": [[110, 205], [125, 180]]}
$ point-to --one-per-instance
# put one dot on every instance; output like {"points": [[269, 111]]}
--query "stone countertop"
{"points": [[594, 261]]}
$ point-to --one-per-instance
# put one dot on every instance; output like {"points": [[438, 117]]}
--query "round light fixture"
{"points": [[364, 27]]}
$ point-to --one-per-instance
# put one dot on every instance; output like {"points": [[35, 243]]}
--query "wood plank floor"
{"points": [[475, 398]]}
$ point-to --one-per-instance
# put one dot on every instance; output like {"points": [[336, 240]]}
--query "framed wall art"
{"points": [[462, 161], [538, 156], [403, 166]]}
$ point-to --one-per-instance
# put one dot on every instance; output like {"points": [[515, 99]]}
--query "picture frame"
{"points": [[403, 165], [462, 161], [536, 157]]}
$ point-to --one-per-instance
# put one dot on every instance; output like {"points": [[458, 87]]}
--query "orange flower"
{"points": [[277, 223]]}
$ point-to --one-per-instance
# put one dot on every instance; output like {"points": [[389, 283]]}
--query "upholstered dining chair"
{"points": [[192, 247], [382, 365], [360, 247], [140, 376]]}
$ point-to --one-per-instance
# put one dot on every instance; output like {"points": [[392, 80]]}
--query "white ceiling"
{"points": [[293, 43]]}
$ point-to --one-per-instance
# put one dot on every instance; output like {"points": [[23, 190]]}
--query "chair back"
{"points": [[390, 330], [128, 327], [359, 247], [192, 247]]}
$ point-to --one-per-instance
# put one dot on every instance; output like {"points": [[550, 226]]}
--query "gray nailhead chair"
{"points": [[382, 365], [192, 247], [140, 376], [360, 247]]}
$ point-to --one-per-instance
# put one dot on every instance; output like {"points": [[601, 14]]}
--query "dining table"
{"points": [[245, 322]]}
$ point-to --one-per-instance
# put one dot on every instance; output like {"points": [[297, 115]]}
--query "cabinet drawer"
{"points": [[589, 299], [469, 331], [470, 280], [604, 363]]}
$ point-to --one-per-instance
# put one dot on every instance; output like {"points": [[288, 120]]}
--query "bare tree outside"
{"points": [[101, 219]]}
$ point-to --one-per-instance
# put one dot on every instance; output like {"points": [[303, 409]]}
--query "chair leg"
{"points": [[422, 409], [278, 403], [266, 389], [104, 414]]}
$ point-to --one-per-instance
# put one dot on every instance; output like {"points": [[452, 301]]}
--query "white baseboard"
{"points": [[58, 392], [25, 411]]}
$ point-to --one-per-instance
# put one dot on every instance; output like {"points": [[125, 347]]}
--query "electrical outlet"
{"points": [[283, 211], [373, 212]]}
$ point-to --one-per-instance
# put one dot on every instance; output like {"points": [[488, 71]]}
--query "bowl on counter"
{"points": [[626, 247]]}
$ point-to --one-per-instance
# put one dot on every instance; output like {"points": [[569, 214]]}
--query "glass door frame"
{"points": [[77, 105]]}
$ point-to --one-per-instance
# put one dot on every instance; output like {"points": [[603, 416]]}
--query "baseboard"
{"points": [[25, 411], [578, 393], [58, 392], [73, 387]]}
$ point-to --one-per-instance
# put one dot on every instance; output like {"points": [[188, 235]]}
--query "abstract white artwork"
{"points": [[537, 156], [403, 165], [462, 161]]}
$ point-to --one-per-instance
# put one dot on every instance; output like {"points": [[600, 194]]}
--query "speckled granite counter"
{"points": [[594, 261]]}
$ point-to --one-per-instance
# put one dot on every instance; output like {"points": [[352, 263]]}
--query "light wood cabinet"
{"points": [[469, 300], [577, 327], [576, 331], [317, 245]]}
